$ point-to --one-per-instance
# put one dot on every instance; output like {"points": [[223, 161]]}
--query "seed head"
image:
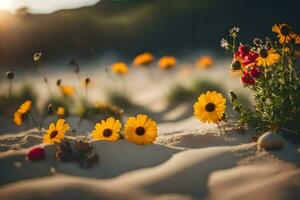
{"points": [[10, 75]]}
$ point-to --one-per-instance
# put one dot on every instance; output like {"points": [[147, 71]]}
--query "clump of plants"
{"points": [[119, 99], [181, 93], [268, 69], [178, 94], [98, 111]]}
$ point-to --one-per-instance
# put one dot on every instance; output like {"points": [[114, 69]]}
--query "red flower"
{"points": [[255, 72], [250, 58], [37, 153], [247, 79], [243, 50]]}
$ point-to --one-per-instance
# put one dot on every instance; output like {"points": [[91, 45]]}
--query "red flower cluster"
{"points": [[247, 58]]}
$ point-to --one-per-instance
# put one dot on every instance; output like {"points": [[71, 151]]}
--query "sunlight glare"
{"points": [[44, 6]]}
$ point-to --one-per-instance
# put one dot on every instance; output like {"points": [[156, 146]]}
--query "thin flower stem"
{"points": [[10, 88], [108, 74], [219, 128], [44, 78], [289, 130], [78, 80], [86, 92], [35, 122], [233, 46], [42, 121]]}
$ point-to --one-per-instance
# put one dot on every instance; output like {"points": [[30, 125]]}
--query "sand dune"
{"points": [[175, 170], [189, 160]]}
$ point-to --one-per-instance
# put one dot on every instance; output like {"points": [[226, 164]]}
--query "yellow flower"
{"points": [[61, 111], [120, 68], [67, 90], [284, 32], [286, 49], [143, 59], [56, 133], [267, 57], [167, 62], [296, 38], [107, 130], [210, 107], [141, 129], [21, 113], [204, 62], [18, 118], [24, 107]]}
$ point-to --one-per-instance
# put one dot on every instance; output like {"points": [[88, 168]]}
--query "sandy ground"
{"points": [[189, 160], [193, 164]]}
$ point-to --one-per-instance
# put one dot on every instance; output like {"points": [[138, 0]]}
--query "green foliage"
{"points": [[99, 111], [200, 86], [180, 93], [119, 99]]}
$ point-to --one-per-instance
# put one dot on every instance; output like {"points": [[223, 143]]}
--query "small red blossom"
{"points": [[36, 153], [237, 57], [255, 72], [243, 50], [247, 79], [250, 58]]}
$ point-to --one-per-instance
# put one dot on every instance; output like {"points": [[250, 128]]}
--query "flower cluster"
{"points": [[268, 69], [140, 130]]}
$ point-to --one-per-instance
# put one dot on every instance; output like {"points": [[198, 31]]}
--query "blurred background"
{"points": [[91, 29]]}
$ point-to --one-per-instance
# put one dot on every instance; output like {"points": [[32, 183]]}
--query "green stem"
{"points": [[35, 122], [10, 88]]}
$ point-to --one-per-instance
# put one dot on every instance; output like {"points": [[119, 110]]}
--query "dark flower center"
{"points": [[285, 30], [107, 132], [210, 107], [236, 65], [140, 130], [263, 53], [247, 49], [53, 134]]}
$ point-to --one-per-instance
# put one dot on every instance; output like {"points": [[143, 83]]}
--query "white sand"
{"points": [[180, 166], [190, 160]]}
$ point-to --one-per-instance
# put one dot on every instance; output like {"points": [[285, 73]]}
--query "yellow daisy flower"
{"points": [[21, 113], [67, 90], [204, 62], [167, 62], [141, 129], [284, 32], [18, 118], [56, 133], [267, 57], [107, 130], [210, 107], [296, 38], [120, 68], [61, 111], [143, 59], [25, 107]]}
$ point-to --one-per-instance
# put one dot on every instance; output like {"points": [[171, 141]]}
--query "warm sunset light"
{"points": [[44, 6], [149, 99], [6, 5]]}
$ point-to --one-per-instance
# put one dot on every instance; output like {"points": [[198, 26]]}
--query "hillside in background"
{"points": [[129, 27]]}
